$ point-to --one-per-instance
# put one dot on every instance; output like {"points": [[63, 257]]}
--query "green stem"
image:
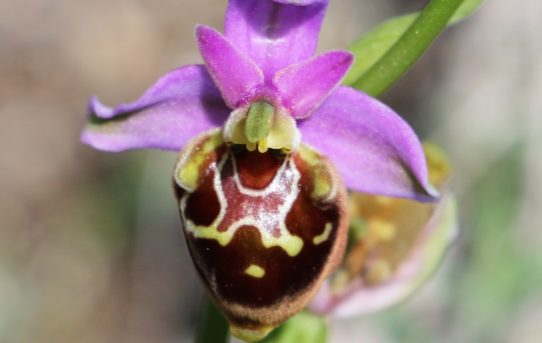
{"points": [[213, 327], [412, 44]]}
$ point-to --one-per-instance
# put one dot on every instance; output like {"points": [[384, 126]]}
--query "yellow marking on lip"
{"points": [[187, 170], [324, 236], [255, 271], [323, 182], [290, 243]]}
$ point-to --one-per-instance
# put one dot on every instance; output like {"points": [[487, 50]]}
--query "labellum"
{"points": [[264, 228]]}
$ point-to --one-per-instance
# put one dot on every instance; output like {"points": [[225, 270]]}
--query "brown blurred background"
{"points": [[90, 243]]}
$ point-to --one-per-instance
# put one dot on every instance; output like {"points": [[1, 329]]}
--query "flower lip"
{"points": [[275, 227]]}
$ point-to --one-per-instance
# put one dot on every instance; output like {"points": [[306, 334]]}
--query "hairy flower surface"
{"points": [[263, 125]]}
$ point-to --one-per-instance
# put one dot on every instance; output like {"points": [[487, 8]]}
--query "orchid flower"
{"points": [[268, 141], [394, 246]]}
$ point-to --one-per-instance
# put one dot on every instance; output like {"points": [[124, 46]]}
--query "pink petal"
{"points": [[304, 86], [235, 75]]}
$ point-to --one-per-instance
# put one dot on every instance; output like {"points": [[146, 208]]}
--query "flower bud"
{"points": [[394, 246]]}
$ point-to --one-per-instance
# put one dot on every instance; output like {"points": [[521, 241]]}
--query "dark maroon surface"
{"points": [[224, 266]]}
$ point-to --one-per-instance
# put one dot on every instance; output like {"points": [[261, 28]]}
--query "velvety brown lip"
{"points": [[252, 282]]}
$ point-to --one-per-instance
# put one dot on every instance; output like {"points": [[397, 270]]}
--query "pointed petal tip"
{"points": [[343, 59], [207, 35], [427, 193], [203, 33], [100, 142], [202, 29], [96, 108], [304, 86], [84, 138], [346, 56], [234, 73], [87, 138]]}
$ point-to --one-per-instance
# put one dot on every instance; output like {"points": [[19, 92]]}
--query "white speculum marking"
{"points": [[267, 222]]}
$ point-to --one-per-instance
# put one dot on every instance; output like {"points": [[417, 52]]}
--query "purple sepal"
{"points": [[177, 107], [275, 34], [304, 86], [375, 150]]}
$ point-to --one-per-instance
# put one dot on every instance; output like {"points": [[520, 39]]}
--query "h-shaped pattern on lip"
{"points": [[262, 228], [265, 209]]}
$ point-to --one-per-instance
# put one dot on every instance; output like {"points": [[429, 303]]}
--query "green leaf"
{"points": [[212, 327], [304, 327], [373, 46], [466, 9]]}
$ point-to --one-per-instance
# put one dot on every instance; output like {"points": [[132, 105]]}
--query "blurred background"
{"points": [[91, 248]]}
